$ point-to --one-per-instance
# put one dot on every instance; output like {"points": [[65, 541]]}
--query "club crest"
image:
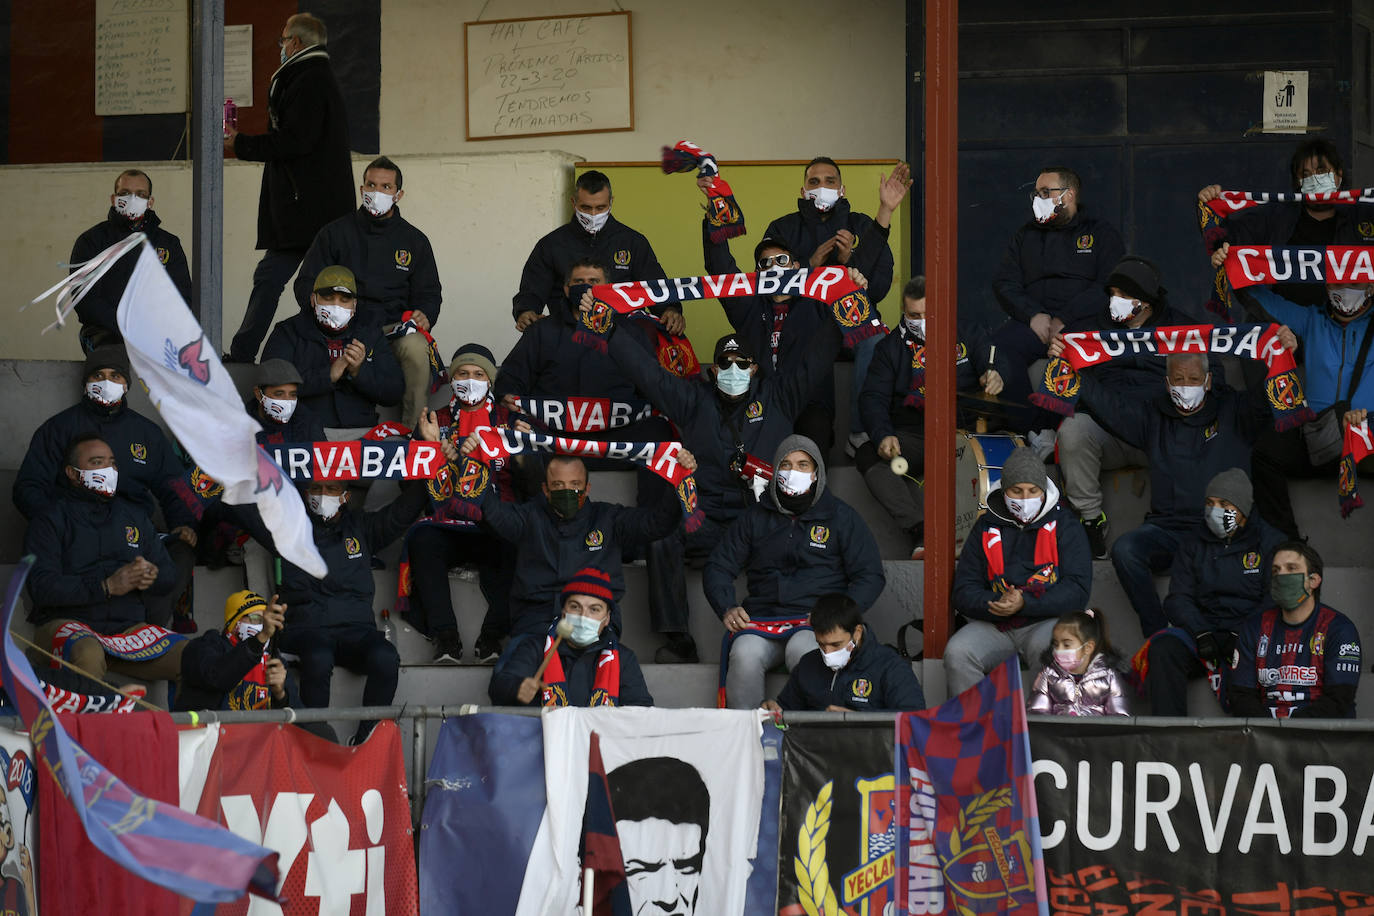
{"points": [[131, 536], [1062, 378], [622, 257], [138, 450], [402, 257]]}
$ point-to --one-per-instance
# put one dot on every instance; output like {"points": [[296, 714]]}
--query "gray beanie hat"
{"points": [[1233, 486], [1024, 466]]}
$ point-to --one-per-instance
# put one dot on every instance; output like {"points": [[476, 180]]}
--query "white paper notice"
{"points": [[1285, 101], [238, 64]]}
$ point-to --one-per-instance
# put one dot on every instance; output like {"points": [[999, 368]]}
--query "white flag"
{"points": [[195, 395]]}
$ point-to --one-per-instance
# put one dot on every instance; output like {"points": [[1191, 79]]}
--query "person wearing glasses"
{"points": [[1052, 275], [779, 329]]}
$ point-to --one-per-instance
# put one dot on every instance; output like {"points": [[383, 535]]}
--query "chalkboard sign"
{"points": [[541, 76], [140, 56]]}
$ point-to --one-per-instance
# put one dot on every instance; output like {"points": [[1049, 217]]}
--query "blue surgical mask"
{"points": [[1320, 183], [733, 381], [585, 630]]}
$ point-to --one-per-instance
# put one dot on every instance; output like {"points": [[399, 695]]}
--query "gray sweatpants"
{"points": [[979, 647]]}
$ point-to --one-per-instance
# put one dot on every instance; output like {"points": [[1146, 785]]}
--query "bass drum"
{"points": [[978, 460]]}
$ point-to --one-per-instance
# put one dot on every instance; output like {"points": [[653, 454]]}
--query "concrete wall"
{"points": [[768, 80]]}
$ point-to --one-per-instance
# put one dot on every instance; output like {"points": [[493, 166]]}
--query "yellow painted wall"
{"points": [[668, 209]]}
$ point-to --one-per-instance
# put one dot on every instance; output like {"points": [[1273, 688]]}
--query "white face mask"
{"points": [[1222, 522], [733, 381], [469, 390], [585, 630], [131, 205], [334, 317], [916, 326], [1067, 658], [1122, 309], [795, 483], [823, 198], [100, 480], [247, 630], [378, 203], [839, 658], [1187, 397], [1347, 301], [284, 56], [592, 222], [325, 506], [1023, 510], [104, 392], [1044, 207], [278, 409], [1320, 183]]}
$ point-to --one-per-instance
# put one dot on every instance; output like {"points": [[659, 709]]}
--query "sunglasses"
{"points": [[777, 260], [725, 362]]}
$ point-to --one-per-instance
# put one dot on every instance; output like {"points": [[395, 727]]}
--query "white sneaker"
{"points": [[1042, 442], [855, 441]]}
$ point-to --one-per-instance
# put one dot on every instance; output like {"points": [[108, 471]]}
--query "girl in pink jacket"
{"points": [[1080, 677]]}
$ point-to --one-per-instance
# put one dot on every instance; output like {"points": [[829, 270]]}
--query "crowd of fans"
{"points": [[1243, 608]]}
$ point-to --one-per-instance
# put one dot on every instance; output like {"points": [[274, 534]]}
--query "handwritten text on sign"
{"points": [[140, 56], [546, 76]]}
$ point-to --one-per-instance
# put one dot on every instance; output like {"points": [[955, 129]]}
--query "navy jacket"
{"points": [[881, 402], [80, 541], [876, 679], [550, 550], [547, 363], [1074, 576], [627, 254], [1185, 451], [791, 560], [803, 232], [211, 666], [715, 431], [752, 319], [344, 596], [392, 261], [98, 307], [351, 401], [1214, 584], [308, 177], [525, 653], [1060, 270], [148, 464]]}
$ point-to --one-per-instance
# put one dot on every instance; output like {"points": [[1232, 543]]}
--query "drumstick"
{"points": [[565, 629], [992, 356]]}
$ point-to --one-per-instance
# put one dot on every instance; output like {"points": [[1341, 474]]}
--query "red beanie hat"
{"points": [[591, 582]]}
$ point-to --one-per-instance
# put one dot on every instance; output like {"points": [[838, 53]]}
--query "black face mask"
{"points": [[565, 502], [796, 505]]}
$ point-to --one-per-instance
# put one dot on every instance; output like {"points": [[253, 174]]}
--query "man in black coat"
{"points": [[234, 668], [591, 233], [398, 278], [345, 363], [308, 177], [131, 210]]}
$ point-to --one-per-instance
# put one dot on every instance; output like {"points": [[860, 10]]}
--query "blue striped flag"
{"points": [[158, 842]]}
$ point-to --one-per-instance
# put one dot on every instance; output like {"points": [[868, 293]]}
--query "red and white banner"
{"points": [[337, 816]]}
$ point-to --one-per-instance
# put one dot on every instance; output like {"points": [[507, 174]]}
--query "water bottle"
{"points": [[388, 628], [231, 116]]}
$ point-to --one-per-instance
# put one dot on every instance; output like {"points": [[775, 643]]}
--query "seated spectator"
{"points": [[276, 405], [1085, 448], [1079, 676], [1300, 659], [1022, 566], [331, 620], [1189, 433], [148, 464], [398, 278], [894, 426], [131, 210], [825, 230], [779, 329], [565, 531], [99, 563], [1219, 578], [849, 670], [237, 667], [1316, 168], [797, 543], [592, 233], [1051, 277], [727, 416], [589, 667], [1338, 360], [347, 368], [443, 540]]}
